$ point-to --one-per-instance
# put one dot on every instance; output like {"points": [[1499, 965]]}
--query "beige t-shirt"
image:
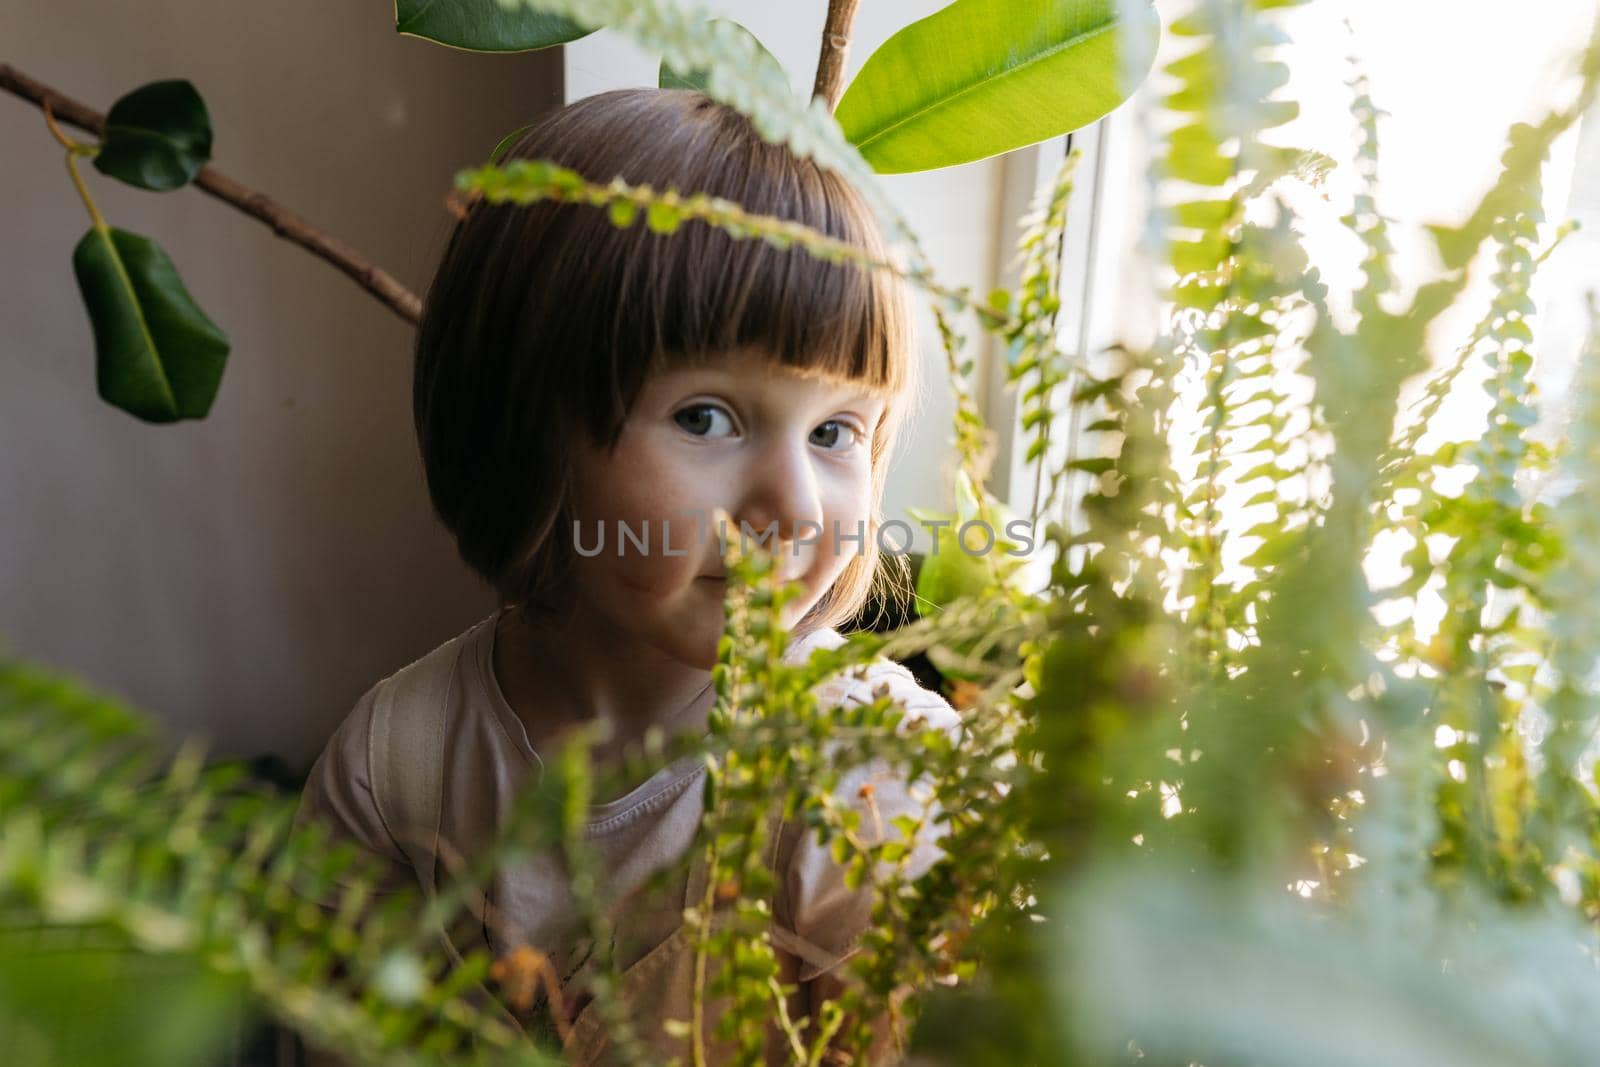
{"points": [[487, 757]]}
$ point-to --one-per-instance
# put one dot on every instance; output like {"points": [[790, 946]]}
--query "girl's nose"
{"points": [[780, 494]]}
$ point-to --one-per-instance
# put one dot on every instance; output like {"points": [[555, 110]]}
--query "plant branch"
{"points": [[835, 49], [284, 223]]}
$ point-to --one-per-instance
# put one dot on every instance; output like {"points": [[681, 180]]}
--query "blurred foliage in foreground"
{"points": [[1198, 814]]}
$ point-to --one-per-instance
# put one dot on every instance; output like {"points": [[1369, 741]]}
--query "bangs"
{"points": [[652, 301], [700, 291]]}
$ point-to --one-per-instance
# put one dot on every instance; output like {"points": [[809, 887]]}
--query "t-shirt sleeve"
{"points": [[338, 793], [817, 917]]}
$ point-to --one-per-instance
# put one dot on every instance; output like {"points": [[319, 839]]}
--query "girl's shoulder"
{"points": [[428, 688], [388, 757]]}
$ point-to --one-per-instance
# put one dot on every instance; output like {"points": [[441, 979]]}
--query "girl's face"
{"points": [[770, 445]]}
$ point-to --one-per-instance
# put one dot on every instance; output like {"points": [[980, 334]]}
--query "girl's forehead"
{"points": [[758, 363]]}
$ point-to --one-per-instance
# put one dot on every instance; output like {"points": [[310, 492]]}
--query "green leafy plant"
{"points": [[1186, 818]]}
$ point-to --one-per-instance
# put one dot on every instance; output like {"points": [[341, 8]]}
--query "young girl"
{"points": [[572, 378]]}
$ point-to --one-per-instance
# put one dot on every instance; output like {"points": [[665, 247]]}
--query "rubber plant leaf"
{"points": [[966, 562], [981, 77], [696, 79], [483, 25], [156, 137], [157, 356]]}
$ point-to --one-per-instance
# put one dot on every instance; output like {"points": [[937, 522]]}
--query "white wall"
{"points": [[249, 575]]}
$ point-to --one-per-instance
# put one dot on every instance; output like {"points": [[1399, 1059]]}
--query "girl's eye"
{"points": [[835, 436], [704, 420]]}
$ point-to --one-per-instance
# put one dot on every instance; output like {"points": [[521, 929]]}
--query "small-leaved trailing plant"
{"points": [[1191, 817]]}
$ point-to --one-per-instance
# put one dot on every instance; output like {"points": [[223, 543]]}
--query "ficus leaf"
{"points": [[483, 25], [156, 137], [981, 77], [157, 356]]}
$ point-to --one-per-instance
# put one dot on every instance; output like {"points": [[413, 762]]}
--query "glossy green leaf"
{"points": [[696, 79], [483, 25], [157, 137], [981, 77], [957, 567], [949, 573], [157, 356]]}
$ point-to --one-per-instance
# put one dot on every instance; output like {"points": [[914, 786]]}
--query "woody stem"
{"points": [[835, 49], [284, 223]]}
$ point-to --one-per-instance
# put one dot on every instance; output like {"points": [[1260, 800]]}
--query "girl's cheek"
{"points": [[642, 481], [846, 518]]}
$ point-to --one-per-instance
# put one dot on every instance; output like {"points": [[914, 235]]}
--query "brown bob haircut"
{"points": [[544, 320]]}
